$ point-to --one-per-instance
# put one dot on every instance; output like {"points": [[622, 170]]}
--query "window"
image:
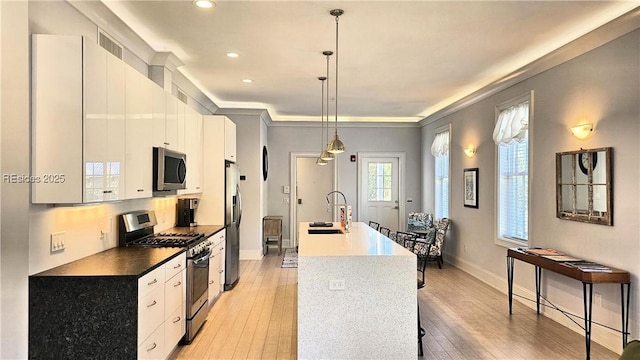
{"points": [[511, 135], [380, 181], [440, 150]]}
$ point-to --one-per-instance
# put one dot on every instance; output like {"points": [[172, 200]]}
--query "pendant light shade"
{"points": [[326, 155], [320, 161], [336, 146]]}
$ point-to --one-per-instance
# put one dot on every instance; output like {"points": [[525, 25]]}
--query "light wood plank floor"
{"points": [[463, 317]]}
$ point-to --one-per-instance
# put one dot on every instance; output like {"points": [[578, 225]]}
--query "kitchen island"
{"points": [[357, 295]]}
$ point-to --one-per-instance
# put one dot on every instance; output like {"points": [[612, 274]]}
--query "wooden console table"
{"points": [[588, 278]]}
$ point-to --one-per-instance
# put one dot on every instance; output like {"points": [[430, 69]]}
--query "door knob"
{"points": [[299, 201]]}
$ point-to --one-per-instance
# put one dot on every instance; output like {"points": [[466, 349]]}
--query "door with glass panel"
{"points": [[379, 191]]}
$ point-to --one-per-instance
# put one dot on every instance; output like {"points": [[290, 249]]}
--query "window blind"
{"points": [[440, 149]]}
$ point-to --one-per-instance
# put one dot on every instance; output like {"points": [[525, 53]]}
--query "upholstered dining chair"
{"points": [[385, 231], [422, 247], [374, 225], [419, 221], [435, 253], [407, 240]]}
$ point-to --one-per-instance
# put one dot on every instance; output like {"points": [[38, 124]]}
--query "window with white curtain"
{"points": [[440, 150], [511, 135]]}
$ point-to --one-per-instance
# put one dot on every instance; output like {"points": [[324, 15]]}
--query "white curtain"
{"points": [[440, 146], [512, 124]]}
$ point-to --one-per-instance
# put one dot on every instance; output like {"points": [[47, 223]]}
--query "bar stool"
{"points": [[271, 229]]}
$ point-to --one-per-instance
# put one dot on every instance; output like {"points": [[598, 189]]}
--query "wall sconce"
{"points": [[582, 131], [470, 151]]}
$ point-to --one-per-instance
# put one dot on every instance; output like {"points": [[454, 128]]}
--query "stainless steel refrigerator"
{"points": [[232, 217]]}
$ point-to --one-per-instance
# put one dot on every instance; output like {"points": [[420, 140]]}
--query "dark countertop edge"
{"points": [[59, 271]]}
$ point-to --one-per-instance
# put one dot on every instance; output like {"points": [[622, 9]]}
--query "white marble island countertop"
{"points": [[357, 296], [361, 240]]}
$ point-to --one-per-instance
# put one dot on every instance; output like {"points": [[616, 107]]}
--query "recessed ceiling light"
{"points": [[204, 4], [247, 81], [232, 55]]}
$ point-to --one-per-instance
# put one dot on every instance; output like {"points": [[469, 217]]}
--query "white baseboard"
{"points": [[603, 336]]}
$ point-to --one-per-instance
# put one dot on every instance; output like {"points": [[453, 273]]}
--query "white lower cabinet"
{"points": [[216, 265], [161, 309]]}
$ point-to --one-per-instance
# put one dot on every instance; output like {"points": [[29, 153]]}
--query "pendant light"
{"points": [[326, 155], [336, 146], [320, 161]]}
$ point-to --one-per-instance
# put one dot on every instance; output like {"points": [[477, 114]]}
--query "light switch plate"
{"points": [[286, 189], [58, 241]]}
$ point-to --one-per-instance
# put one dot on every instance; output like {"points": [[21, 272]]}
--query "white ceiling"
{"points": [[398, 60]]}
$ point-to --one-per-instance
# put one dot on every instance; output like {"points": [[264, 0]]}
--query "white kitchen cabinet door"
{"points": [[230, 140], [104, 127], [214, 276], [171, 132], [159, 116], [211, 207], [221, 245], [57, 119], [180, 111], [193, 149], [139, 129]]}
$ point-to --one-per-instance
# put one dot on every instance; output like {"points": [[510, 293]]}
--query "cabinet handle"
{"points": [[153, 282], [177, 319], [178, 284], [210, 282], [177, 266], [152, 347], [140, 190], [166, 143], [220, 271], [197, 187], [153, 303], [107, 191], [222, 248]]}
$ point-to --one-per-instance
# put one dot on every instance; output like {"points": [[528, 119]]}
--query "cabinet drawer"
{"points": [[174, 329], [153, 347], [218, 238], [175, 265], [150, 313], [150, 282], [174, 293]]}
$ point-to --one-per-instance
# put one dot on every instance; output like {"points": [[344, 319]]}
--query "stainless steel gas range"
{"points": [[136, 229]]}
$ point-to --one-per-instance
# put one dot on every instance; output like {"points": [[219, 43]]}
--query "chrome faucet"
{"points": [[345, 211]]}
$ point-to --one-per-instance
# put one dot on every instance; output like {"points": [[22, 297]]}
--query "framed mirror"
{"points": [[584, 186]]}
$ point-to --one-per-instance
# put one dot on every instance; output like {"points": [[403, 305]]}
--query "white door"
{"points": [[380, 191], [313, 183]]}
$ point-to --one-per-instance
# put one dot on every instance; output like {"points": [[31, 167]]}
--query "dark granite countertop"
{"points": [[208, 230], [120, 261]]}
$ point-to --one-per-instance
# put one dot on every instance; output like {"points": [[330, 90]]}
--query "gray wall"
{"points": [[283, 140], [601, 86]]}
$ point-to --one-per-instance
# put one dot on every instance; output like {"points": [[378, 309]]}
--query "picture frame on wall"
{"points": [[471, 187]]}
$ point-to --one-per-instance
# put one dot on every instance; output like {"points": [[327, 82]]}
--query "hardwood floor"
{"points": [[463, 318]]}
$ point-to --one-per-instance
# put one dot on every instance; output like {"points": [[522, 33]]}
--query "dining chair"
{"points": [[422, 247], [374, 225], [419, 221], [435, 253], [385, 231]]}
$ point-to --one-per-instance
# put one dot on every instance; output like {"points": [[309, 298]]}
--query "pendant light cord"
{"points": [[336, 114], [328, 54]]}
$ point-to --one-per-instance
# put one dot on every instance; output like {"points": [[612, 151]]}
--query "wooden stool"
{"points": [[271, 229]]}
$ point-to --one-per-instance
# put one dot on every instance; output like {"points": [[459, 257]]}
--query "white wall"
{"points": [[602, 86], [15, 152], [284, 139], [249, 139]]}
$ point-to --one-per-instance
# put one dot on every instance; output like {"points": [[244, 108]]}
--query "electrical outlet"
{"points": [[58, 241], [337, 284], [285, 200], [597, 299]]}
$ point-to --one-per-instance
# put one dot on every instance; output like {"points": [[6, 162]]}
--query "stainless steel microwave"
{"points": [[169, 169]]}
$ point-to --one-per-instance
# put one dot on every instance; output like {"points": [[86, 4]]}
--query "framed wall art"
{"points": [[471, 188]]}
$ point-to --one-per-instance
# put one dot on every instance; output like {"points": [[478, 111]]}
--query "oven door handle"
{"points": [[203, 257]]}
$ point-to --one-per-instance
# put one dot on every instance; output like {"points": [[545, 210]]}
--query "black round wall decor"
{"points": [[265, 163]]}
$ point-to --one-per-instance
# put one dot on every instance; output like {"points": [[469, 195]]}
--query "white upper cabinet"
{"points": [[171, 134], [77, 121], [159, 117], [193, 149], [139, 130], [229, 140]]}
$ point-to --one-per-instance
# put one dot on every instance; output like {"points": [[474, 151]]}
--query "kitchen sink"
{"points": [[325, 231]]}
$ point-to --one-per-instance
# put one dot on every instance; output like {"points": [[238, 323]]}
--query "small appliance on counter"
{"points": [[186, 212]]}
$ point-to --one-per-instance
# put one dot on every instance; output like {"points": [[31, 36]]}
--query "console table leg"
{"points": [[538, 276], [510, 263], [587, 294], [625, 312]]}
